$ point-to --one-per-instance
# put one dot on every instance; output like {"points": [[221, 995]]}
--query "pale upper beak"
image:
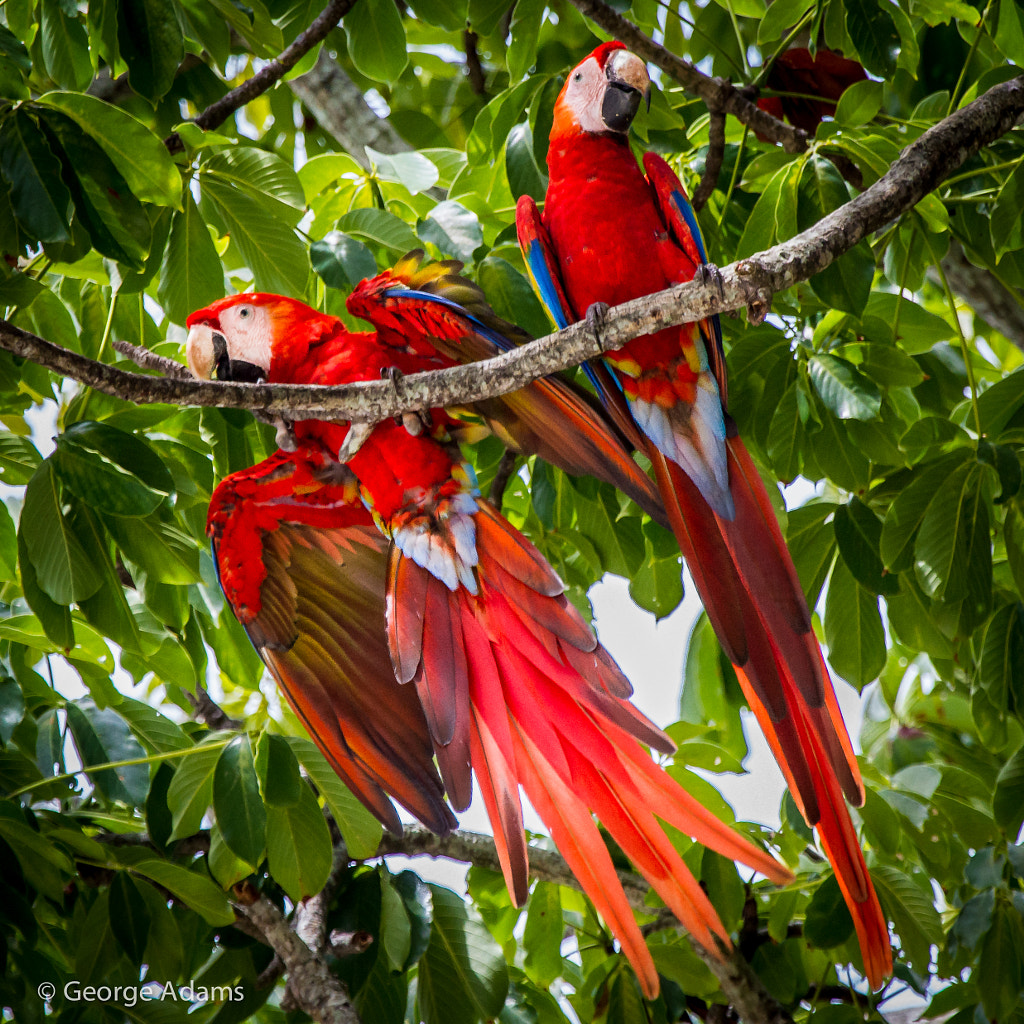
{"points": [[203, 347], [628, 84]]}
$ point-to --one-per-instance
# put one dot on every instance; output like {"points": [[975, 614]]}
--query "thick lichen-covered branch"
{"points": [[748, 283]]}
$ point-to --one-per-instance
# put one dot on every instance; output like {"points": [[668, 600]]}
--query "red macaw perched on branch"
{"points": [[507, 680], [609, 234]]}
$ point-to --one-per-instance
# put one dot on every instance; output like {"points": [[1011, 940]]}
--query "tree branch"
{"points": [[316, 990], [270, 74], [341, 110], [748, 283], [712, 162], [718, 94]]}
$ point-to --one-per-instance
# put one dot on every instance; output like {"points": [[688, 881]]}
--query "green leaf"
{"points": [[110, 470], [150, 43], [1008, 798], [55, 618], [191, 790], [359, 828], [117, 224], [102, 736], [781, 15], [542, 938], [859, 103], [844, 389], [828, 923], [226, 869], [811, 546], [278, 771], [511, 296], [853, 629], [138, 154], [657, 586], [953, 556], [395, 927], [901, 525], [762, 224], [525, 177], [618, 541], [157, 547], [999, 974], [19, 459], [38, 196], [722, 882], [453, 229], [237, 803], [195, 891], [382, 227], [874, 34], [1006, 228], [858, 533], [191, 275], [129, 916], [462, 976], [411, 170], [341, 261], [65, 45], [911, 908], [154, 730], [376, 41], [786, 433], [12, 708], [298, 845], [975, 919], [64, 572], [1009, 36]]}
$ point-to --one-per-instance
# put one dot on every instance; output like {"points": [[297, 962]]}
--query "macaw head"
{"points": [[253, 336], [602, 93]]}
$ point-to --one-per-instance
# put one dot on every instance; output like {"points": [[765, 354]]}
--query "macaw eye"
{"points": [[244, 312], [578, 76]]}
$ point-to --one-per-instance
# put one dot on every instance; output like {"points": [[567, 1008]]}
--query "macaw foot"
{"points": [[709, 274], [594, 318], [284, 435], [358, 434], [393, 374]]}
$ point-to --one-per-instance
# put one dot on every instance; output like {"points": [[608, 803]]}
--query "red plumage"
{"points": [[610, 233]]}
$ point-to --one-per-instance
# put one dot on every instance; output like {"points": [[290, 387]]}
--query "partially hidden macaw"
{"points": [[611, 232], [443, 634]]}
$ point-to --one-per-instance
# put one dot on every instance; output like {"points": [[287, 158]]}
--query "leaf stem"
{"points": [[968, 59], [127, 763]]}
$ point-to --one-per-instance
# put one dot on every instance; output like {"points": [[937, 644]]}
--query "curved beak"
{"points": [[628, 84], [206, 350]]}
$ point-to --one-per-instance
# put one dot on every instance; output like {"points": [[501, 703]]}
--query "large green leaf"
{"points": [[195, 891], [1000, 973], [150, 43], [139, 155], [299, 846], [65, 45], [463, 976], [191, 276], [1008, 798], [359, 828], [110, 470], [874, 34], [844, 389], [858, 533], [453, 229], [191, 790], [241, 815], [102, 736], [376, 40], [853, 629], [115, 220], [129, 916], [542, 938], [911, 907], [63, 569], [38, 196]]}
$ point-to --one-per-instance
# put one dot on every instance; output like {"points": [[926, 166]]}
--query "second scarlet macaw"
{"points": [[443, 633], [611, 232]]}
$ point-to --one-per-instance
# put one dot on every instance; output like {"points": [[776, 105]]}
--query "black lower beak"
{"points": [[236, 370], [619, 107]]}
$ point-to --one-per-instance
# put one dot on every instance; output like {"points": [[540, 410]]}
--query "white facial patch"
{"points": [[584, 94], [248, 331]]}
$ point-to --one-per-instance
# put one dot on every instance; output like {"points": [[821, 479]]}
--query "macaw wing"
{"points": [[304, 572], [674, 204], [542, 263], [430, 308]]}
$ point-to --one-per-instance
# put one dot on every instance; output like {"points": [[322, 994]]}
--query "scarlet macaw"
{"points": [[507, 678], [610, 233]]}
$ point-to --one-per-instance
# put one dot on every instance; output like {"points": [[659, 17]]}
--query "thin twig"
{"points": [[270, 74], [713, 161]]}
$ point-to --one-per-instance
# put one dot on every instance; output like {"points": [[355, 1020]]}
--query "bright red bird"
{"points": [[447, 633], [610, 233]]}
